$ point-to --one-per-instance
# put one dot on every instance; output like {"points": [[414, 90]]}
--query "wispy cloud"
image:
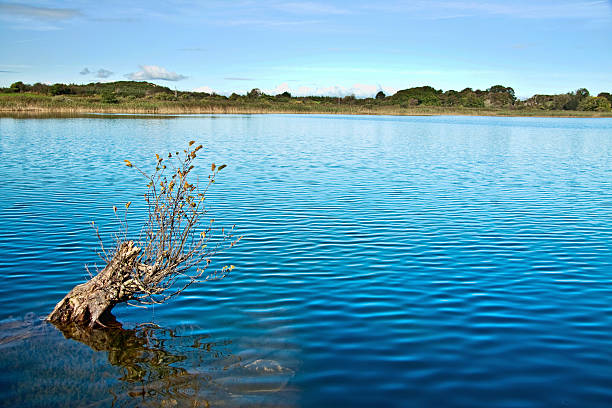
{"points": [[335, 70], [151, 72], [103, 73], [27, 40], [85, 71], [238, 79], [113, 19], [25, 17], [543, 9], [309, 8], [13, 67], [46, 13], [269, 23]]}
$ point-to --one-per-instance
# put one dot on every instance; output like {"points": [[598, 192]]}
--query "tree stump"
{"points": [[173, 248], [90, 304]]}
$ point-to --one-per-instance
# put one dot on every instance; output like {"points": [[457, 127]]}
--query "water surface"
{"points": [[387, 261]]}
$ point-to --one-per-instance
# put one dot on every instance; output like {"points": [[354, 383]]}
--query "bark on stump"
{"points": [[90, 304]]}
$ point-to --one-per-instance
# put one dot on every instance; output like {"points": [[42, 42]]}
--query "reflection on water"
{"points": [[149, 366]]}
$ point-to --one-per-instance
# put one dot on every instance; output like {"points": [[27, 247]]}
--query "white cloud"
{"points": [[206, 89], [359, 90], [279, 89], [149, 72], [85, 71]]}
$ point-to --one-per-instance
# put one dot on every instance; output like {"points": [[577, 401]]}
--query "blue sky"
{"points": [[310, 47]]}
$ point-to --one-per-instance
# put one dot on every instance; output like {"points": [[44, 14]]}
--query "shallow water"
{"points": [[392, 261]]}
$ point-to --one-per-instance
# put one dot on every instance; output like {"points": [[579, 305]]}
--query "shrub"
{"points": [[60, 89], [598, 104], [109, 97]]}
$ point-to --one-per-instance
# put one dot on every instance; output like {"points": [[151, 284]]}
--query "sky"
{"points": [[332, 48]]}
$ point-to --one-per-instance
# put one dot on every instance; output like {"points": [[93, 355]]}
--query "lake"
{"points": [[386, 261]]}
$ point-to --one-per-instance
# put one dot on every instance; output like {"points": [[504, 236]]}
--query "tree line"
{"points": [[497, 96]]}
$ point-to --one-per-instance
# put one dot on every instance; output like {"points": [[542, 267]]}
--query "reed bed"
{"points": [[40, 104]]}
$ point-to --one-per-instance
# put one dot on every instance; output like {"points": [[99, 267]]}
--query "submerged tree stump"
{"points": [[174, 247], [90, 304]]}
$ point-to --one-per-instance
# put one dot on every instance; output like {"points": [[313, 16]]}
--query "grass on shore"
{"points": [[26, 103]]}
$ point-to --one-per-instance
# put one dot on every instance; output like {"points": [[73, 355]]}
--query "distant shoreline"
{"points": [[127, 100], [38, 111], [137, 97]]}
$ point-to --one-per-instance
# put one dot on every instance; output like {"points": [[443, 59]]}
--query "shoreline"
{"points": [[236, 110], [138, 97]]}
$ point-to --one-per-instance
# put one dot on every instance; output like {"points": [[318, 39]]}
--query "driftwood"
{"points": [[173, 250]]}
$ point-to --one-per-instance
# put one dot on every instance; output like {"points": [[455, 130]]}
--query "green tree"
{"points": [[598, 104], [40, 88], [254, 93], [606, 95], [60, 89], [501, 95], [425, 95], [471, 100], [572, 102], [582, 93], [603, 104], [19, 87], [380, 95]]}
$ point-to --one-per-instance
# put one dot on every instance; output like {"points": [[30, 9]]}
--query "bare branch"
{"points": [[173, 250]]}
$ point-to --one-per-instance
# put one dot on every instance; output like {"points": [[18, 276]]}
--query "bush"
{"points": [[284, 95], [424, 95], [60, 89], [471, 100], [164, 97], [606, 95], [109, 97], [598, 104], [255, 93]]}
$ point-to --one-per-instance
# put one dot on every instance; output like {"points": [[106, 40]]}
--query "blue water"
{"points": [[386, 261]]}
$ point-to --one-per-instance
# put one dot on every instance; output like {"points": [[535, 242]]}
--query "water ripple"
{"points": [[451, 262]]}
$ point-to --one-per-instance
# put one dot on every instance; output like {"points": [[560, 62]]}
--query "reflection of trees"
{"points": [[163, 368], [153, 360], [147, 366], [140, 352]]}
